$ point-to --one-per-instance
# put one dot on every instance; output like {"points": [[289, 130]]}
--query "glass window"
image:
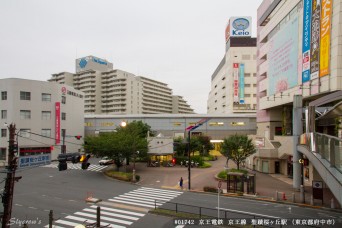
{"points": [[3, 114], [216, 124], [63, 99], [4, 95], [25, 114], [46, 132], [25, 96], [46, 97], [2, 153], [4, 132], [25, 133], [237, 123], [63, 116], [46, 115]]}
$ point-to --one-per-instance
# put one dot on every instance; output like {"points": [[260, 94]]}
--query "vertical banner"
{"points": [[242, 83], [58, 122], [236, 82], [315, 37], [325, 37], [306, 40]]}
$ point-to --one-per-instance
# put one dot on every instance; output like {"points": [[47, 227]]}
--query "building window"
{"points": [[46, 97], [2, 153], [25, 133], [25, 114], [4, 95], [46, 115], [63, 100], [3, 114], [237, 123], [46, 132], [25, 96], [3, 133], [216, 124], [63, 116]]}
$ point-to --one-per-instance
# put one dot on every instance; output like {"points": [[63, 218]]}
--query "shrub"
{"points": [[205, 165], [209, 189], [137, 177]]}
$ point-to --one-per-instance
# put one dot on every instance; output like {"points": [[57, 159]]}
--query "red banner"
{"points": [[58, 123]]}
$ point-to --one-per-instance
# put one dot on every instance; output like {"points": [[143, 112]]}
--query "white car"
{"points": [[106, 161]]}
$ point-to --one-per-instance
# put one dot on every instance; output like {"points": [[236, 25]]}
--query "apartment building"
{"points": [[233, 83], [114, 91], [43, 113]]}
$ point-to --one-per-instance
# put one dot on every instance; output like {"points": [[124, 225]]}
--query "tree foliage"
{"points": [[123, 144], [196, 144], [238, 148]]}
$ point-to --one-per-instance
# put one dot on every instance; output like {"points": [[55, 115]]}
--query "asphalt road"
{"points": [[43, 189]]}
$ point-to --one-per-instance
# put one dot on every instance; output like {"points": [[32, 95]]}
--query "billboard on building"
{"points": [[236, 83], [92, 63], [58, 122], [325, 37], [239, 27], [283, 55], [242, 83], [306, 40], [315, 37]]}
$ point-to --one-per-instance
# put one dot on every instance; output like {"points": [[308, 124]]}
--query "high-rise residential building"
{"points": [[113, 91], [233, 83], [47, 115], [299, 68]]}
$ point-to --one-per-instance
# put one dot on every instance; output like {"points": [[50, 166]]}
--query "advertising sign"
{"points": [[315, 36], [236, 82], [239, 27], [58, 122], [260, 142], [242, 83], [34, 160], [306, 40], [283, 56], [325, 37]]}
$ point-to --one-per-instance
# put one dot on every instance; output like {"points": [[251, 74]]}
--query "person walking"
{"points": [[181, 183]]}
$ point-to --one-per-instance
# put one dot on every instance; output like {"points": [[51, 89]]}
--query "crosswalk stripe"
{"points": [[134, 200], [54, 226], [156, 193], [162, 190], [150, 195], [92, 221], [92, 167], [125, 202], [67, 223], [104, 218], [119, 211], [141, 198], [112, 214]]}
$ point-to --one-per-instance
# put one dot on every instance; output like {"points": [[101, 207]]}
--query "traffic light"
{"points": [[85, 163], [62, 165], [78, 137]]}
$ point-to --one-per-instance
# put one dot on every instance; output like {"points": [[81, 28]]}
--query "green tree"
{"points": [[238, 148], [179, 146]]}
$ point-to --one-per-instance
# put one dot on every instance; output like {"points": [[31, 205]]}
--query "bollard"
{"points": [[332, 203], [284, 196], [293, 197]]}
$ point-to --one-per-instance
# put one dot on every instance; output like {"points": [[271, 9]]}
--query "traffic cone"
{"points": [[284, 196]]}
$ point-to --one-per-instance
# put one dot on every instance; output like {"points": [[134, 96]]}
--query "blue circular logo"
{"points": [[83, 63], [240, 24]]}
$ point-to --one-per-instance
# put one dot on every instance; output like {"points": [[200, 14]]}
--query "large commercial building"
{"points": [[233, 84], [113, 91], [43, 113], [299, 62]]}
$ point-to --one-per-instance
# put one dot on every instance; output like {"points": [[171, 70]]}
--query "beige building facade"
{"points": [[113, 91]]}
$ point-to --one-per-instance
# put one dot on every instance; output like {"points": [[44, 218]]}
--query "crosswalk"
{"points": [[120, 211], [96, 168]]}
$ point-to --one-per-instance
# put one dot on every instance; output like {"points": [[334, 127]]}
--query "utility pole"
{"points": [[9, 186], [63, 148], [189, 162]]}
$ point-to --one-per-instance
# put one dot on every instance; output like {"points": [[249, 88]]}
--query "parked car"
{"points": [[106, 161], [69, 156]]}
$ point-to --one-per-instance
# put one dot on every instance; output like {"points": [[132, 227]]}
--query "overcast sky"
{"points": [[178, 42]]}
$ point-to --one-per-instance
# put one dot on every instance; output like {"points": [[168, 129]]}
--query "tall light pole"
{"points": [[189, 162]]}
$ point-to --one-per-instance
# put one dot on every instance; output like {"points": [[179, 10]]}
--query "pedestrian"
{"points": [[181, 183]]}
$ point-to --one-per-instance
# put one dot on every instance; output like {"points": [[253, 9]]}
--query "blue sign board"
{"points": [[34, 160], [306, 40], [242, 83]]}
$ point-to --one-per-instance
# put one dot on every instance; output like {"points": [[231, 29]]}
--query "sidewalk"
{"points": [[266, 184]]}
